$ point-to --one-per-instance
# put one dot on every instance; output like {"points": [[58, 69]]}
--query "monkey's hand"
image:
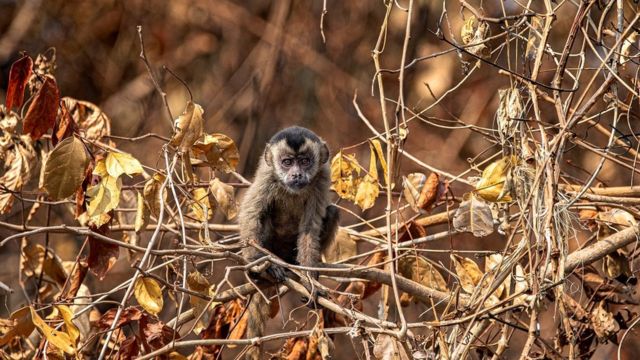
{"points": [[277, 272]]}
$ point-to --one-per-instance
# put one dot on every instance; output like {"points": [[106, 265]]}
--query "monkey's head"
{"points": [[296, 155]]}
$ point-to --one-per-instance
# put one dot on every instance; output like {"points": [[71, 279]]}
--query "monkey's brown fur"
{"points": [[287, 210]]}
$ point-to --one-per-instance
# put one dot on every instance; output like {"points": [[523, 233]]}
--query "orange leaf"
{"points": [[18, 77], [42, 112]]}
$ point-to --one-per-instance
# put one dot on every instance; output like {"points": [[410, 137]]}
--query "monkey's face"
{"points": [[296, 167]]}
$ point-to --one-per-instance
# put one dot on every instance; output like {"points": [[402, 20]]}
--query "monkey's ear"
{"points": [[324, 153], [268, 156]]}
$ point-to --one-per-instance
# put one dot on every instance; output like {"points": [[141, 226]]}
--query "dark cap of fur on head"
{"points": [[294, 136]]}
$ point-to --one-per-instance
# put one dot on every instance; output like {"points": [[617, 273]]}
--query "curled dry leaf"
{"points": [[65, 168], [188, 127], [383, 162], [368, 189], [70, 328], [495, 184], [474, 216], [102, 255], [152, 192], [201, 206], [142, 213], [16, 171], [630, 44], [18, 77], [33, 262], [603, 322], [128, 315], [342, 247], [21, 325], [422, 192], [148, 293], [225, 199], [43, 111], [59, 339], [509, 111], [535, 34], [92, 122], [344, 175], [387, 347], [468, 272], [412, 185], [220, 150], [475, 32], [421, 271], [122, 163]]}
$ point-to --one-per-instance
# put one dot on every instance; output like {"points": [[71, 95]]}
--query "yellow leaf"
{"points": [[100, 169], [149, 295], [22, 325], [104, 196], [65, 168], [142, 214], [188, 127], [421, 271], [344, 172], [67, 316], [122, 163], [342, 247], [492, 186], [381, 157], [152, 193], [59, 339], [368, 191], [468, 272], [226, 201], [198, 283], [201, 207], [220, 150]]}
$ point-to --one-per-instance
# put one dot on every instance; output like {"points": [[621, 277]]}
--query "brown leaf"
{"points": [[92, 122], [33, 262], [412, 188], [65, 169], [429, 193], [142, 214], [75, 279], [129, 349], [102, 255], [152, 193], [202, 308], [21, 325], [18, 77], [154, 333], [17, 170], [64, 127], [128, 315], [603, 322], [421, 271], [344, 175], [225, 199], [188, 127], [474, 216], [342, 247], [42, 112], [298, 350], [220, 150]]}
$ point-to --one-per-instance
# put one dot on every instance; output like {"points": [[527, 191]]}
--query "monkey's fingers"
{"points": [[277, 272]]}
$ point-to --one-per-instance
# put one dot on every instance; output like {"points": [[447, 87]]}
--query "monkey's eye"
{"points": [[287, 162], [305, 162]]}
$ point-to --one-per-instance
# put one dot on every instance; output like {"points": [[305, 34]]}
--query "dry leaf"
{"points": [[475, 32], [535, 34], [344, 175], [32, 262], [21, 325], [142, 214], [18, 76], [126, 316], [200, 205], [603, 322], [188, 127], [468, 272], [368, 191], [92, 122], [387, 347], [122, 163], [225, 200], [102, 256], [59, 339], [381, 157], [71, 329], [104, 196], [152, 193], [412, 187], [198, 283], [421, 271], [342, 247], [149, 295], [43, 111], [65, 168], [474, 216], [220, 150], [493, 186], [509, 112], [629, 44], [17, 169]]}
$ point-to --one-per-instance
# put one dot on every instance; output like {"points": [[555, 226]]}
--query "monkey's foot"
{"points": [[277, 272]]}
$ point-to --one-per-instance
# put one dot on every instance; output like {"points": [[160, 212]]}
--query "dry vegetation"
{"points": [[485, 164]]}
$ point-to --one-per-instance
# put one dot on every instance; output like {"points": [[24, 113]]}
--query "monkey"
{"points": [[287, 210]]}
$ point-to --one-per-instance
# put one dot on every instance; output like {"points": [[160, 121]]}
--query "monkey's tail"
{"points": [[258, 313]]}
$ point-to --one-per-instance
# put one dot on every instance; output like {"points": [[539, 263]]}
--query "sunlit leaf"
{"points": [[16, 171], [22, 325], [344, 175], [342, 247], [92, 122], [43, 110], [104, 196], [65, 168], [188, 127], [225, 199], [474, 216], [421, 271], [59, 339], [18, 76], [71, 329], [202, 308], [475, 32], [200, 205], [468, 272], [149, 295], [535, 34], [381, 157], [142, 213], [122, 163], [220, 150], [493, 184], [33, 262]]}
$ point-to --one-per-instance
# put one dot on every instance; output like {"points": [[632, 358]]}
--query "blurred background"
{"points": [[256, 66]]}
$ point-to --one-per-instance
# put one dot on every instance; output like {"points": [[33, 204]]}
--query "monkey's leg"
{"points": [[265, 237], [257, 316]]}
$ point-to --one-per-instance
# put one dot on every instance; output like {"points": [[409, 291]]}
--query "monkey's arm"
{"points": [[319, 228]]}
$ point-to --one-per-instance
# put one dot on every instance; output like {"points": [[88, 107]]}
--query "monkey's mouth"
{"points": [[297, 184]]}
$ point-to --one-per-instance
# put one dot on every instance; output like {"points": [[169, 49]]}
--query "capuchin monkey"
{"points": [[287, 211]]}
